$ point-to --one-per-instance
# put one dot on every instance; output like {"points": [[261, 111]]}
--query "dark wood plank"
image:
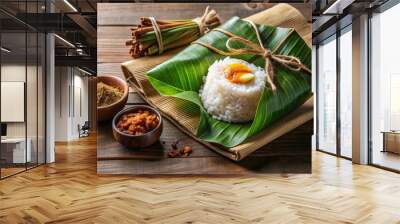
{"points": [[286, 145], [127, 13], [207, 166], [111, 44], [290, 153], [110, 149], [134, 98], [110, 69], [115, 20]]}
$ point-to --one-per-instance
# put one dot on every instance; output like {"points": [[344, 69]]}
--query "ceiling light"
{"points": [[338, 6], [84, 71], [65, 41], [79, 51], [5, 50], [70, 5]]}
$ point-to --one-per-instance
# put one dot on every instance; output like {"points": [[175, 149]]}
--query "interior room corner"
{"points": [[104, 118]]}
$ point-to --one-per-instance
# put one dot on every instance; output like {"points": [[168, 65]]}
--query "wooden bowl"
{"points": [[136, 141], [105, 113]]}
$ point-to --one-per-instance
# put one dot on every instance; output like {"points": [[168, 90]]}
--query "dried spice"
{"points": [[137, 123], [175, 152], [174, 145], [107, 95], [187, 150]]}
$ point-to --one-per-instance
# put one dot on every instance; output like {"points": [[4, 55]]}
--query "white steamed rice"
{"points": [[229, 101]]}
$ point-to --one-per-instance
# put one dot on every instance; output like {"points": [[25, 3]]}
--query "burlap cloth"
{"points": [[282, 15]]}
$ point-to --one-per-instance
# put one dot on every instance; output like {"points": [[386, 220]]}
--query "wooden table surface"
{"points": [[290, 153]]}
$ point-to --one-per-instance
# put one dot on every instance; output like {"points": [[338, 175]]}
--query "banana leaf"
{"points": [[182, 76]]}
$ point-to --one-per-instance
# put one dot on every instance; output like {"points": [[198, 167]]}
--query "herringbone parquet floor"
{"points": [[69, 191]]}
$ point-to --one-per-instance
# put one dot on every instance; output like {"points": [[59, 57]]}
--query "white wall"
{"points": [[70, 83], [61, 114], [14, 73], [81, 102]]}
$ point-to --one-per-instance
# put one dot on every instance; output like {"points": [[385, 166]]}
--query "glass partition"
{"points": [[32, 98], [13, 94], [22, 78], [327, 95], [385, 89], [334, 95], [346, 92]]}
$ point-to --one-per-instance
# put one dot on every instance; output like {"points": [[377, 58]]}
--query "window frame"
{"points": [[339, 32]]}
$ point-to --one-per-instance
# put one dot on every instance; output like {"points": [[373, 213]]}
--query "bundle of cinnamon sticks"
{"points": [[153, 36]]}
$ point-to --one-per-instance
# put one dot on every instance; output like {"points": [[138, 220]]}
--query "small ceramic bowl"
{"points": [[137, 141], [105, 113]]}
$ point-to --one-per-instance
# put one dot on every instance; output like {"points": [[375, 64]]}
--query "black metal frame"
{"points": [[25, 89], [317, 97], [338, 34], [338, 98], [44, 70], [45, 89], [37, 91], [369, 97]]}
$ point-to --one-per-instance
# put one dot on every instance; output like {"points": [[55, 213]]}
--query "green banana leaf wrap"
{"points": [[182, 76]]}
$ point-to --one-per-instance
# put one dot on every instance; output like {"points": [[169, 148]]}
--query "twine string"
{"points": [[206, 20], [157, 32], [290, 62]]}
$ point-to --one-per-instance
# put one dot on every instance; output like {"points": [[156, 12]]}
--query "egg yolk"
{"points": [[238, 73]]}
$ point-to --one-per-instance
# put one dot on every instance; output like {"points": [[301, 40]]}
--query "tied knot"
{"points": [[207, 20], [267, 53]]}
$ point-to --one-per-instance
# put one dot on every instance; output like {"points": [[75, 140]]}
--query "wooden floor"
{"points": [[11, 170], [386, 159], [69, 191]]}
